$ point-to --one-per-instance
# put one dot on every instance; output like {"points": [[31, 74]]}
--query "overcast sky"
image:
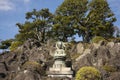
{"points": [[13, 11]]}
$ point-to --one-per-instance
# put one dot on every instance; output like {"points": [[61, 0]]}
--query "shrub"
{"points": [[33, 66], [114, 39], [88, 73], [97, 39], [117, 39], [109, 68], [15, 45]]}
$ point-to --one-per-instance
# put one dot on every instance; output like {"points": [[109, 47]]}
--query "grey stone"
{"points": [[110, 44], [87, 51], [27, 75], [80, 48]]}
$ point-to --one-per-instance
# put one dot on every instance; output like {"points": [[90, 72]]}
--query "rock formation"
{"points": [[33, 59]]}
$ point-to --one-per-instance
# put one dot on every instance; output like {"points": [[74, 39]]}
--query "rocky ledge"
{"points": [[32, 60]]}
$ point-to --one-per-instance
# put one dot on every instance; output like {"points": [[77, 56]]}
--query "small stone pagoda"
{"points": [[59, 68]]}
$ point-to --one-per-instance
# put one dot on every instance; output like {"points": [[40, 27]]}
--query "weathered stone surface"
{"points": [[95, 46], [53, 78], [115, 50], [3, 71], [97, 55], [80, 48], [27, 75], [114, 76], [110, 44], [86, 52], [101, 56], [2, 68], [85, 61]]}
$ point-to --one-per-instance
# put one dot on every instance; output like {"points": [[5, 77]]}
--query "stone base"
{"points": [[60, 75], [60, 72]]}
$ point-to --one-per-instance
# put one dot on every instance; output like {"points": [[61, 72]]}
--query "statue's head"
{"points": [[60, 45]]}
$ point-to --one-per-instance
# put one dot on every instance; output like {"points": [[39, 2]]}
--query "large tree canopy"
{"points": [[87, 18], [67, 17], [90, 18]]}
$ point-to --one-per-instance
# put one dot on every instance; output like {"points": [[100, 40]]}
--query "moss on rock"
{"points": [[97, 39]]}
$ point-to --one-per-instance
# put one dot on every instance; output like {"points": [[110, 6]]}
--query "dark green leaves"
{"points": [[37, 25]]}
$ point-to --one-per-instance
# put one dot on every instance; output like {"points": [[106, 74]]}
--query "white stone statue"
{"points": [[60, 49]]}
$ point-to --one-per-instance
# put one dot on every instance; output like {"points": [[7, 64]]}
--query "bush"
{"points": [[97, 39], [109, 68], [114, 39], [15, 45], [33, 66], [88, 73]]}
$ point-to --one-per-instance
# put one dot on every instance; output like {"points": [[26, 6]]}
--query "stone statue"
{"points": [[60, 49], [59, 68]]}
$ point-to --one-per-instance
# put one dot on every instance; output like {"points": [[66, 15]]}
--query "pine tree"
{"points": [[37, 25]]}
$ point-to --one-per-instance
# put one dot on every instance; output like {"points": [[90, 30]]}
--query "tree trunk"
{"points": [[43, 36], [86, 37]]}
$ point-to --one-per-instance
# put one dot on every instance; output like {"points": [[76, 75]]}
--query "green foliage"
{"points": [[6, 44], [61, 28], [85, 18], [74, 56], [102, 18], [68, 14], [34, 66], [31, 65], [97, 39], [86, 45], [15, 45], [117, 39], [37, 26], [88, 73], [109, 68]]}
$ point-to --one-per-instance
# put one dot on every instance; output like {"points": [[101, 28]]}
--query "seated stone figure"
{"points": [[60, 52]]}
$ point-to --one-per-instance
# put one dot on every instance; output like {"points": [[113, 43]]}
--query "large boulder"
{"points": [[100, 56], [83, 60]]}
